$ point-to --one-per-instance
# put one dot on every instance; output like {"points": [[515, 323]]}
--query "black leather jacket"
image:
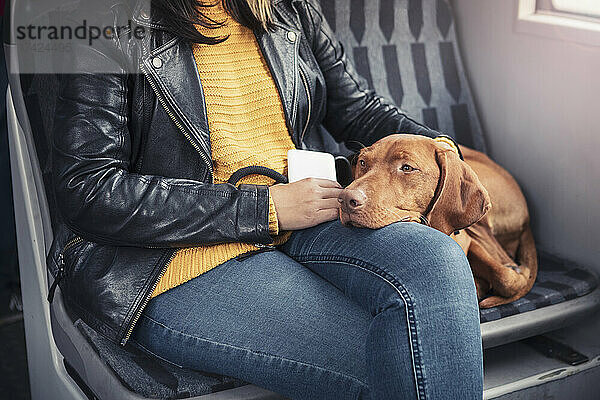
{"points": [[132, 172]]}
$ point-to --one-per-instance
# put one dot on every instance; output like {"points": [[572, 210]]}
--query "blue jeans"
{"points": [[335, 313]]}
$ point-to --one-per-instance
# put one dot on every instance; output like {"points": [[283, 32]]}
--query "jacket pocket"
{"points": [[67, 249]]}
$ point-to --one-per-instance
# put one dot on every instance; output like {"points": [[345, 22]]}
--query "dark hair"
{"points": [[181, 16]]}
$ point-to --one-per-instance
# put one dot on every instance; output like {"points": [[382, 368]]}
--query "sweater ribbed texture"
{"points": [[247, 127]]}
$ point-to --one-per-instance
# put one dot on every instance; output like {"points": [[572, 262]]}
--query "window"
{"points": [[570, 8], [565, 20]]}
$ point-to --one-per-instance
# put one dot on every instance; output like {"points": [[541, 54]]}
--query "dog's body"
{"points": [[501, 238], [413, 178]]}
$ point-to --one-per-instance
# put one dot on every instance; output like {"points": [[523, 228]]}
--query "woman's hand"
{"points": [[305, 203]]}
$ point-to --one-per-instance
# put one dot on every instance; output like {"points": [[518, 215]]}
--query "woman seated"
{"points": [[258, 281]]}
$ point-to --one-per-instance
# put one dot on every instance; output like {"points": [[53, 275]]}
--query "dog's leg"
{"points": [[496, 276], [528, 260], [492, 263], [527, 255], [528, 265], [500, 277], [482, 286], [464, 241]]}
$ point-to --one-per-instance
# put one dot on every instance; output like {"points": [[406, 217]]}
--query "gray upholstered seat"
{"points": [[407, 51]]}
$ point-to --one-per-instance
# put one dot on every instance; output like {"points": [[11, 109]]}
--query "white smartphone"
{"points": [[310, 164]]}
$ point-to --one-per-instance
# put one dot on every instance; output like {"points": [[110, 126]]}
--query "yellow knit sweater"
{"points": [[247, 127]]}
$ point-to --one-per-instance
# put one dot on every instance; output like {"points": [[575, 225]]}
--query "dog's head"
{"points": [[408, 177]]}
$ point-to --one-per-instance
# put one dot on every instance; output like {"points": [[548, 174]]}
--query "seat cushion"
{"points": [[407, 51], [557, 281], [151, 377]]}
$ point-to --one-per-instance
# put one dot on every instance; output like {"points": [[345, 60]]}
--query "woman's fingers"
{"points": [[324, 183], [329, 203], [322, 188], [305, 203], [328, 214], [331, 193]]}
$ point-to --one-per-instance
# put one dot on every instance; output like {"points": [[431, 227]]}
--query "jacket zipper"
{"points": [[306, 88], [260, 248], [175, 121], [208, 164], [61, 266], [147, 299], [210, 168]]}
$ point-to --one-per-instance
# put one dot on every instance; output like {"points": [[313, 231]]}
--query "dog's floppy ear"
{"points": [[460, 199]]}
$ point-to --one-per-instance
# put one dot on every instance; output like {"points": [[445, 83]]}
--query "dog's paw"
{"points": [[514, 267], [493, 301], [482, 286]]}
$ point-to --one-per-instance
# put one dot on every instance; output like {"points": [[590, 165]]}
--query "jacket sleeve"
{"points": [[102, 200], [367, 116]]}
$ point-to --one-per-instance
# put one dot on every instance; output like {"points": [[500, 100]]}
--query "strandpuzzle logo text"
{"points": [[90, 33], [76, 36]]}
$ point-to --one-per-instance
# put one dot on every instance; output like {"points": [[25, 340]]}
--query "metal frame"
{"points": [[47, 375], [542, 320]]}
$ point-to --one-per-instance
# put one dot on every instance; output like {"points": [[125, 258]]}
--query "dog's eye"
{"points": [[407, 168], [362, 163]]}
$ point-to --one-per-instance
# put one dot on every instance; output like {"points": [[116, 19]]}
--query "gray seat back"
{"points": [[407, 52]]}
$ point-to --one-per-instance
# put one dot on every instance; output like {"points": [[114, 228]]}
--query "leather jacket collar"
{"points": [[185, 102]]}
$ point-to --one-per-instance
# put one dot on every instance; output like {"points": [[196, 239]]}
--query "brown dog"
{"points": [[415, 178]]}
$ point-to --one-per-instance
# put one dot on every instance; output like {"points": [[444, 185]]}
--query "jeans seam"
{"points": [[404, 295], [315, 239], [253, 352], [144, 348]]}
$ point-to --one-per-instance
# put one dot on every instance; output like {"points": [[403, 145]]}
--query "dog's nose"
{"points": [[352, 200]]}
